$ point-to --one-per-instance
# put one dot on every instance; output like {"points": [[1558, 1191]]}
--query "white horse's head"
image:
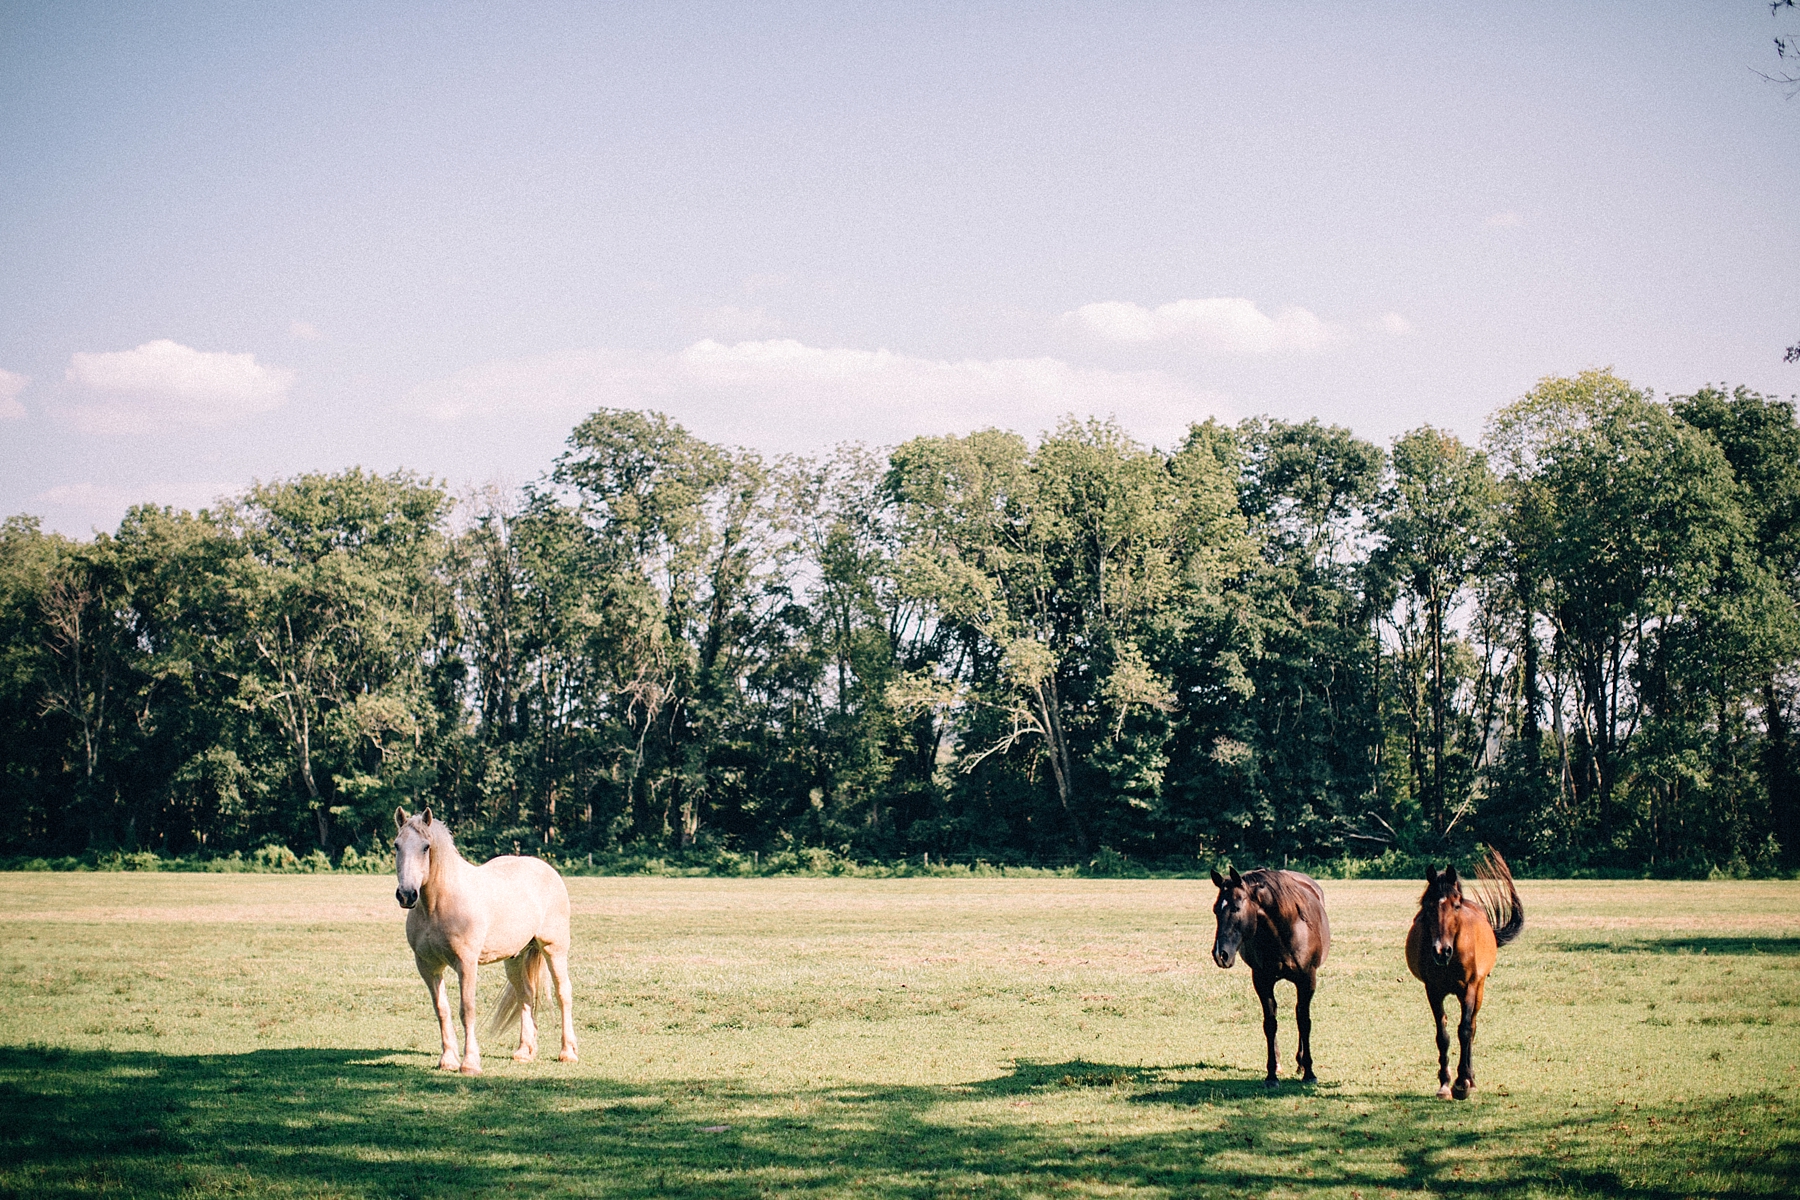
{"points": [[412, 854]]}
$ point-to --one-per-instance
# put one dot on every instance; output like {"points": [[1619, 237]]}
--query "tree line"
{"points": [[1275, 640]]}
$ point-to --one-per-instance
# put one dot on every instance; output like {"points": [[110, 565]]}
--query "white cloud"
{"points": [[1394, 323], [166, 383], [1223, 324], [304, 331], [11, 384], [781, 395], [1504, 220]]}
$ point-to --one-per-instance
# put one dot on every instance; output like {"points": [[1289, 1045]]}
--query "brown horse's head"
{"points": [[1236, 908], [1441, 906], [412, 854]]}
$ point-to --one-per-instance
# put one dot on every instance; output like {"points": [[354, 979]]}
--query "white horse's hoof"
{"points": [[524, 1055], [449, 1064], [471, 1068], [568, 1056]]}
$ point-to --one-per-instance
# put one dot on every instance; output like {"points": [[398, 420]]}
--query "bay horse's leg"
{"points": [[1304, 988], [1443, 1041], [465, 984], [1465, 1033], [521, 977], [1265, 991], [565, 999], [433, 975]]}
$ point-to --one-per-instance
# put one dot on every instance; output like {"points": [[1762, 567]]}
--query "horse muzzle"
{"points": [[1225, 958], [1441, 955], [406, 896]]}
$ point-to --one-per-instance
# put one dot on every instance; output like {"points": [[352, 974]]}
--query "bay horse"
{"points": [[461, 915], [1276, 920], [1452, 946]]}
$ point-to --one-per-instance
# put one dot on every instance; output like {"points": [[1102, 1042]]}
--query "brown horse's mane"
{"points": [[1291, 899]]}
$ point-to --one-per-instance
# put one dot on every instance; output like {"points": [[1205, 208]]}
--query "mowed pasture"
{"points": [[267, 1035]]}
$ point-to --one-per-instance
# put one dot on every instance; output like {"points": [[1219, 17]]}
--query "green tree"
{"points": [[332, 593], [1434, 534]]}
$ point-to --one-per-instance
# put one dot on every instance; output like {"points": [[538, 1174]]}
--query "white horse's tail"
{"points": [[533, 975]]}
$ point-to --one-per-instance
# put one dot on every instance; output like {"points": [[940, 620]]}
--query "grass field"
{"points": [[266, 1035]]}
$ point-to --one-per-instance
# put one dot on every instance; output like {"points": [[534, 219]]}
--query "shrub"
{"points": [[273, 857]]}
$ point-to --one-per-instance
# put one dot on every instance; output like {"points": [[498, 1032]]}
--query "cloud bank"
{"points": [[11, 384], [1219, 324], [165, 383], [783, 396]]}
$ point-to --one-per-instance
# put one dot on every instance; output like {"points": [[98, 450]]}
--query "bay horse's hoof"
{"points": [[1461, 1090], [1444, 1092], [1271, 1083], [1309, 1077]]}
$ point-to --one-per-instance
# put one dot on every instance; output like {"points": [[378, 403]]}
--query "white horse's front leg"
{"points": [[465, 982], [433, 974], [565, 998]]}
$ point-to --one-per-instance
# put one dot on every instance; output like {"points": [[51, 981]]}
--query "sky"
{"points": [[241, 242]]}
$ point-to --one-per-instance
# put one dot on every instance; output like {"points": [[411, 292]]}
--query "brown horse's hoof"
{"points": [[1461, 1090], [1271, 1083], [1309, 1077], [1444, 1092]]}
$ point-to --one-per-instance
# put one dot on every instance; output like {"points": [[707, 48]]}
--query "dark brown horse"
{"points": [[1452, 946], [1276, 920]]}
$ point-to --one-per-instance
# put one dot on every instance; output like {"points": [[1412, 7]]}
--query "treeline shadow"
{"points": [[1779, 945], [278, 1122]]}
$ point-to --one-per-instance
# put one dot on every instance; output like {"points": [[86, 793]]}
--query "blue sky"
{"points": [[239, 243]]}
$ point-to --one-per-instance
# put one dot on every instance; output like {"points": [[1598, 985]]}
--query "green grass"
{"points": [[266, 1035]]}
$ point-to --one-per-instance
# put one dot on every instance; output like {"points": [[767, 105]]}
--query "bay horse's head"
{"points": [[1441, 906], [1237, 910], [412, 854]]}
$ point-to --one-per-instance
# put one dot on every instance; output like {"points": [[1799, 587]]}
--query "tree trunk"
{"points": [[1784, 812]]}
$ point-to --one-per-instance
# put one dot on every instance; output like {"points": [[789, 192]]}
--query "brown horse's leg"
{"points": [[1265, 991], [1304, 987], [433, 975], [465, 985], [1465, 1034], [1443, 1041], [565, 999]]}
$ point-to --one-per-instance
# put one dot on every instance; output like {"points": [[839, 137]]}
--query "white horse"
{"points": [[462, 915]]}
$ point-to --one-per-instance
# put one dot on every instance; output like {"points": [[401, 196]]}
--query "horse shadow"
{"points": [[379, 1123]]}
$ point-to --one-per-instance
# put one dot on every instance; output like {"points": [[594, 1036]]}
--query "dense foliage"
{"points": [[1578, 644]]}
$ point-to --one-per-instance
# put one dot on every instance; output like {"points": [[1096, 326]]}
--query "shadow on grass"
{"points": [[1776, 945], [371, 1123]]}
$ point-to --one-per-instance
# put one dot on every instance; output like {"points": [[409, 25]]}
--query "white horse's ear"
{"points": [[399, 817], [428, 814]]}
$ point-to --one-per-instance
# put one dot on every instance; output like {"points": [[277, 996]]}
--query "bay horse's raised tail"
{"points": [[1498, 897]]}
